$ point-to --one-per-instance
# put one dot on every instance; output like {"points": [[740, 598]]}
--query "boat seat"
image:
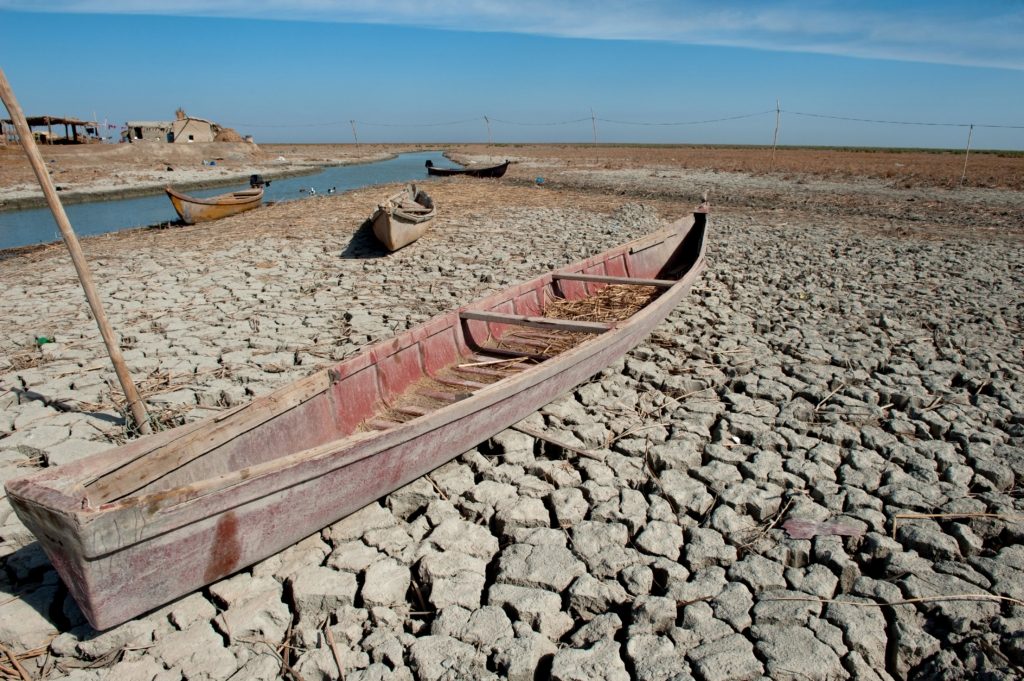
{"points": [[460, 383], [443, 396], [629, 281], [489, 353], [549, 323], [483, 371], [412, 410], [382, 424]]}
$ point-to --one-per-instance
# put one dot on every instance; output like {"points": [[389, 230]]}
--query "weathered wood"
{"points": [[511, 354], [459, 383], [443, 396], [150, 463], [403, 217], [484, 371], [412, 410], [131, 394], [382, 424], [601, 279], [537, 322]]}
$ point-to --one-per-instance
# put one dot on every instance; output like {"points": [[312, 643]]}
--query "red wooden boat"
{"points": [[134, 527]]}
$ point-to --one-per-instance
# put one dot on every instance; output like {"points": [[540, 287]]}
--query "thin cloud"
{"points": [[982, 34]]}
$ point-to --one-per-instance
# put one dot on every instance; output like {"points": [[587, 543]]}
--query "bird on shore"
{"points": [[332, 190]]}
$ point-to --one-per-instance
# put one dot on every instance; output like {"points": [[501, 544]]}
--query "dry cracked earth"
{"points": [[811, 470]]}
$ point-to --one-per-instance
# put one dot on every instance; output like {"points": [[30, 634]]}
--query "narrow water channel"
{"points": [[36, 225]]}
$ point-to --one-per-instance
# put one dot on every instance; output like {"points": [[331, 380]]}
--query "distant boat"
{"points": [[192, 209], [489, 171], [403, 217], [131, 528]]}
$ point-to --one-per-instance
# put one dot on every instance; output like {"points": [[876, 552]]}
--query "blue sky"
{"points": [[653, 71]]}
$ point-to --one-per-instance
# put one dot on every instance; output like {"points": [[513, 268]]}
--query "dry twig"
{"points": [[908, 601]]}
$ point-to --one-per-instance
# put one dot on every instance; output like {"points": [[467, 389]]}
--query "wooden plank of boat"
{"points": [[134, 527], [488, 171], [600, 279], [402, 218], [538, 322], [193, 209]]}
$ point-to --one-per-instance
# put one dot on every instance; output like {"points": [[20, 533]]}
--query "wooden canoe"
{"points": [[489, 171], [192, 209], [134, 527], [403, 217]]}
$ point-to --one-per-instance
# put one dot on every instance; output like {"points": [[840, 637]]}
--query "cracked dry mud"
{"points": [[839, 361]]}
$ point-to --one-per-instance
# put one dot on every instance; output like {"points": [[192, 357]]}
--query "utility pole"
{"points": [[593, 123], [970, 134], [354, 135], [775, 137], [488, 122]]}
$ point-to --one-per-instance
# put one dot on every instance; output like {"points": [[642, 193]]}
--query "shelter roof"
{"points": [[149, 124], [34, 121]]}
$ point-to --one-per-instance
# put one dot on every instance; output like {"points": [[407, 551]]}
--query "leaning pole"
{"points": [[131, 394]]}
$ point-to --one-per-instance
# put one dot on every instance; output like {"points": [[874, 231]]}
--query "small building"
{"points": [[189, 129], [182, 130], [147, 131], [90, 130]]}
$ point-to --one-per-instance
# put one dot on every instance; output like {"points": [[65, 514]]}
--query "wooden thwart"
{"points": [[537, 322], [459, 382], [602, 279]]}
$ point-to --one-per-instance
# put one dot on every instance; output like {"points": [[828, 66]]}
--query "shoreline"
{"points": [[99, 193]]}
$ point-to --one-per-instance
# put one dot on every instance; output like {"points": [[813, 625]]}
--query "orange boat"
{"points": [[192, 210]]}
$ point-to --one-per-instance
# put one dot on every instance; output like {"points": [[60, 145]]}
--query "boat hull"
{"points": [[393, 228], [491, 171], [192, 210], [123, 551]]}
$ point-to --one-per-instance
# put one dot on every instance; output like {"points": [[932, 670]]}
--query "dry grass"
{"points": [[611, 304], [906, 168]]}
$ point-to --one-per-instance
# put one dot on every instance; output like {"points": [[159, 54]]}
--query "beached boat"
{"points": [[403, 217], [137, 526], [192, 209], [489, 171]]}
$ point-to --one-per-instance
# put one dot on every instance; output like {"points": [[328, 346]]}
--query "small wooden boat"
{"points": [[489, 171], [403, 217], [134, 527], [192, 209]]}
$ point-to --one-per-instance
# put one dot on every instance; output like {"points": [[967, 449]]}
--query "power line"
{"points": [[575, 120], [421, 125], [872, 120], [710, 120], [490, 119]]}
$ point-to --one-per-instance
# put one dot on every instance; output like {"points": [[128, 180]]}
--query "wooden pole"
{"points": [[775, 137], [593, 122], [135, 404], [970, 134], [487, 120], [354, 135]]}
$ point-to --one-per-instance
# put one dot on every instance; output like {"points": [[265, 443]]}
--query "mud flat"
{"points": [[852, 359]]}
